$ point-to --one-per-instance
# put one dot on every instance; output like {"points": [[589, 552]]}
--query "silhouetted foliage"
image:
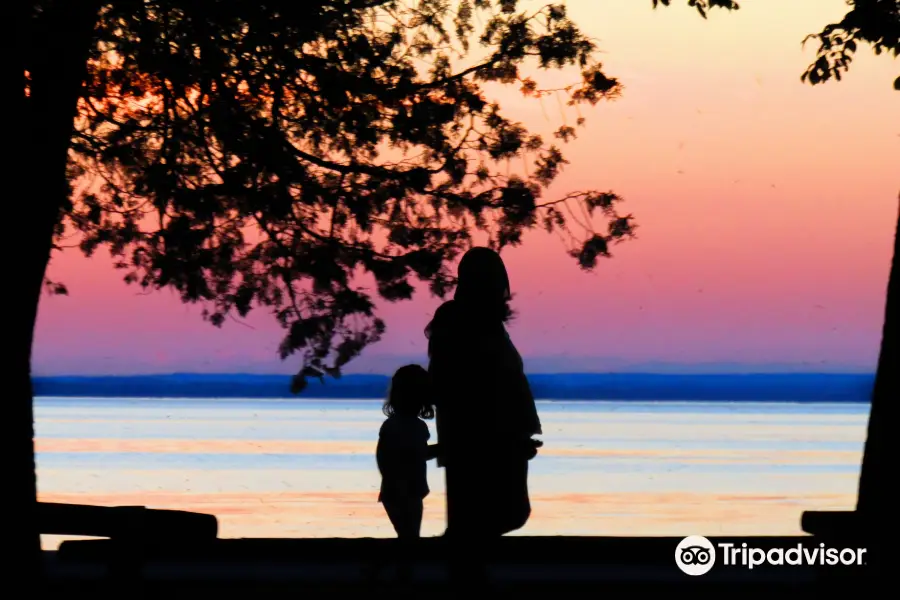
{"points": [[269, 154], [702, 6], [875, 22], [255, 154]]}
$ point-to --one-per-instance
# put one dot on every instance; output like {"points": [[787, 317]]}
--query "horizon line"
{"points": [[380, 374]]}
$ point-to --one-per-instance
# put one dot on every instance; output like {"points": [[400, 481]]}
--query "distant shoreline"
{"points": [[761, 387]]}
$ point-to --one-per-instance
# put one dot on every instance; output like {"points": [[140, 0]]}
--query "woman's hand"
{"points": [[531, 447]]}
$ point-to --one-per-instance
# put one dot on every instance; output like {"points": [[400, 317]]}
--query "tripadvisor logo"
{"points": [[820, 555], [696, 555]]}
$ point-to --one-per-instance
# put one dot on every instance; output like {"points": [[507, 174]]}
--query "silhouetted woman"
{"points": [[486, 415]]}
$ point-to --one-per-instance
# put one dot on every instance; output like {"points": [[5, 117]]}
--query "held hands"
{"points": [[434, 451]]}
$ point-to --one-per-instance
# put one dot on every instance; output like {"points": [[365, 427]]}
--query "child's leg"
{"points": [[405, 515], [395, 510], [416, 509]]}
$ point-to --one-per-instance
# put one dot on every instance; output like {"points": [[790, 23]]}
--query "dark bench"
{"points": [[125, 522], [847, 529]]}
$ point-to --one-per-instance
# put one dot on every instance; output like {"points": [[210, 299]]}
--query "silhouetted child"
{"points": [[403, 449]]}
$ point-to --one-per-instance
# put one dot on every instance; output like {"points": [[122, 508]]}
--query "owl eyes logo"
{"points": [[695, 555]]}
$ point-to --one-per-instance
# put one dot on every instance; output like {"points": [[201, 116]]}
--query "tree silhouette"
{"points": [[51, 49], [270, 155], [877, 23]]}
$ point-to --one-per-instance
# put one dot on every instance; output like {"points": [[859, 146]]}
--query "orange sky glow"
{"points": [[766, 212]]}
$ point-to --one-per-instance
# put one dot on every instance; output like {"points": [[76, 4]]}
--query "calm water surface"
{"points": [[306, 468]]}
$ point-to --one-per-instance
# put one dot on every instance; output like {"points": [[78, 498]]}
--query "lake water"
{"points": [[306, 468]]}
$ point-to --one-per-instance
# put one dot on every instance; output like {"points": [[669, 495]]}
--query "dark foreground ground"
{"points": [[367, 568]]}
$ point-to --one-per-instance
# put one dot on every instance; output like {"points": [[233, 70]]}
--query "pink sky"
{"points": [[766, 210]]}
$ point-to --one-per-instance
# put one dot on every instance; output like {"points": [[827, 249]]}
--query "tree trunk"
{"points": [[53, 49], [874, 499]]}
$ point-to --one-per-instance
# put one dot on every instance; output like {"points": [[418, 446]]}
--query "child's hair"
{"points": [[410, 393]]}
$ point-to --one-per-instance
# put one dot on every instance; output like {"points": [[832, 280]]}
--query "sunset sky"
{"points": [[766, 212]]}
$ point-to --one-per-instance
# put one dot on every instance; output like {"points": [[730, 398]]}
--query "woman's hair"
{"points": [[410, 393], [481, 299], [483, 284]]}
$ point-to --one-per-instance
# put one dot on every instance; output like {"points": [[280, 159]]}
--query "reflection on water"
{"points": [[306, 468]]}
